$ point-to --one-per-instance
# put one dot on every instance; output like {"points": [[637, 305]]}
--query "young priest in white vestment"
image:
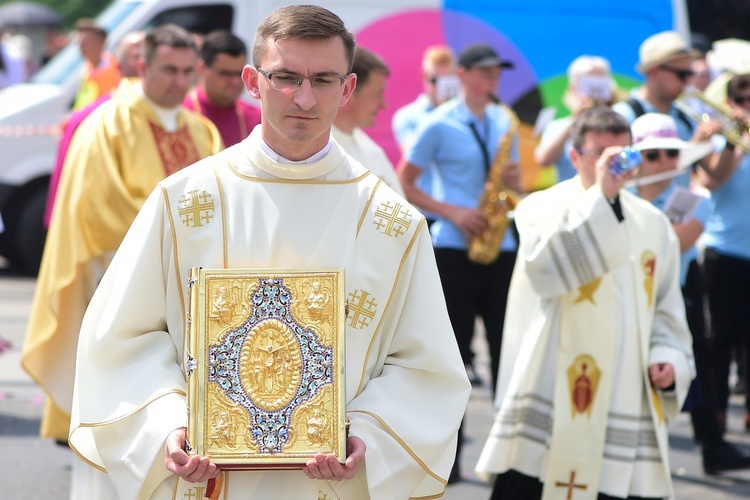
{"points": [[286, 197], [596, 356]]}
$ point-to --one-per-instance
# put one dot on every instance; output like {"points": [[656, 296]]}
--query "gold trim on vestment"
{"points": [[181, 392], [86, 460], [367, 205], [222, 201], [403, 444], [387, 306], [278, 180], [175, 250], [108, 422]]}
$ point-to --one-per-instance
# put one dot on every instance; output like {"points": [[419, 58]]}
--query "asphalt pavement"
{"points": [[32, 468]]}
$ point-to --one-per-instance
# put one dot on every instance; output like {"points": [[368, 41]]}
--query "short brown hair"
{"points": [[89, 25], [737, 84], [170, 35], [437, 56], [305, 22], [600, 120], [366, 63]]}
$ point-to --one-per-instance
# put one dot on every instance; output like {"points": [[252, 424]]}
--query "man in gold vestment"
{"points": [[116, 157]]}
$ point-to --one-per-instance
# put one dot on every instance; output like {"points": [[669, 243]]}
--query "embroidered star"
{"points": [[586, 292]]}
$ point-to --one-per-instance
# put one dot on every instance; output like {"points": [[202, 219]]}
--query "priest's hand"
{"points": [[609, 182], [328, 466], [661, 375], [191, 468]]}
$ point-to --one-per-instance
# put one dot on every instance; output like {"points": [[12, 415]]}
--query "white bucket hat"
{"points": [[659, 131]]}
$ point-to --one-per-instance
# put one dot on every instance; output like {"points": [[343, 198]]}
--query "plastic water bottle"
{"points": [[628, 159]]}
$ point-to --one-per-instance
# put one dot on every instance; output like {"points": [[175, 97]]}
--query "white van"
{"points": [[540, 36]]}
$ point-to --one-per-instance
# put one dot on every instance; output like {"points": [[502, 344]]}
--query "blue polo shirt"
{"points": [[728, 227], [444, 140], [404, 124]]}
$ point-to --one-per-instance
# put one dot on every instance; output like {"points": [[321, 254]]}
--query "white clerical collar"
{"points": [[285, 161], [270, 162], [167, 116]]}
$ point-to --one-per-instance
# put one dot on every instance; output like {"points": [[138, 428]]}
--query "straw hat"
{"points": [[662, 48], [659, 131]]}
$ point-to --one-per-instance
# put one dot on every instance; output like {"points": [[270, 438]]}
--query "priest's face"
{"points": [[296, 120], [222, 80], [368, 100], [168, 77], [594, 144]]}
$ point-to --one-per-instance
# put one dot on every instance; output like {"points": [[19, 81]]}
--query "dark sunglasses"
{"points": [[740, 99], [654, 154], [682, 74]]}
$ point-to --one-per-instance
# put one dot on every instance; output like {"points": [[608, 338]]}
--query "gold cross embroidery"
{"points": [[361, 309], [196, 209], [392, 219], [571, 485], [194, 493]]}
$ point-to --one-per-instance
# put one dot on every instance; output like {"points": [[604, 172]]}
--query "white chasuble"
{"points": [[406, 389], [593, 302]]}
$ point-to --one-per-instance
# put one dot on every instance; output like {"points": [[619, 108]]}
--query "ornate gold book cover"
{"points": [[266, 366]]}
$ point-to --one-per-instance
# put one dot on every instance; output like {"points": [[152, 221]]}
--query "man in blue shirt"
{"points": [[727, 243], [459, 141], [438, 77]]}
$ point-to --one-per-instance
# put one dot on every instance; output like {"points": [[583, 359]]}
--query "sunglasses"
{"points": [[682, 74], [654, 154], [740, 99]]}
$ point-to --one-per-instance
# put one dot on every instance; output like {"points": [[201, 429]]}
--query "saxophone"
{"points": [[496, 201]]}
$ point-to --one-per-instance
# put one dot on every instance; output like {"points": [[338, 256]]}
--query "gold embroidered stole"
{"points": [[177, 149], [582, 392]]}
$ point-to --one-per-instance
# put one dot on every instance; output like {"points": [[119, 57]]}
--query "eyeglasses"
{"points": [[654, 154], [290, 82], [740, 99], [682, 74], [225, 73]]}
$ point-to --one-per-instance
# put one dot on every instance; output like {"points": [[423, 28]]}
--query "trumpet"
{"points": [[734, 133]]}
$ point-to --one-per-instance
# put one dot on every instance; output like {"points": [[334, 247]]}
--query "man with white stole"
{"points": [[596, 354], [286, 197]]}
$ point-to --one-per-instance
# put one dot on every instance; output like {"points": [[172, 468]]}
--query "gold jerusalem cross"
{"points": [[196, 209], [571, 485], [392, 219], [362, 308]]}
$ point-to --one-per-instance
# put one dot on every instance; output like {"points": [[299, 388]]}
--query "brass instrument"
{"points": [[496, 202], [733, 133]]}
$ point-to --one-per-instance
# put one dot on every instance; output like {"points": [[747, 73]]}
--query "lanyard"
{"points": [[482, 146]]}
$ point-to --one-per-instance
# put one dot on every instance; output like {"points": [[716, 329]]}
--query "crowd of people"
{"points": [[592, 302]]}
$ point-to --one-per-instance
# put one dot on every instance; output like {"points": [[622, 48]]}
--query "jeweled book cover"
{"points": [[265, 366]]}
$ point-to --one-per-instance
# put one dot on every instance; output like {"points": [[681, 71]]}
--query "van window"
{"points": [[197, 18], [58, 69]]}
